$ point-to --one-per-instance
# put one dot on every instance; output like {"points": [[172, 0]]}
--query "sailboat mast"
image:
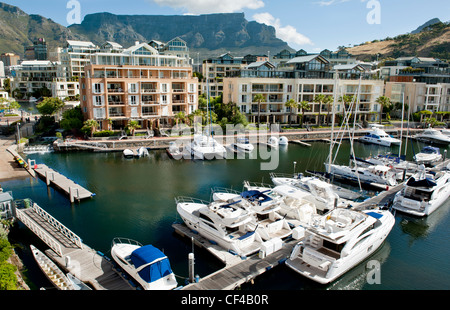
{"points": [[333, 119], [401, 132]]}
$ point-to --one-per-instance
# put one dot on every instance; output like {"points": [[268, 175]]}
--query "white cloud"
{"points": [[212, 6], [330, 2], [286, 33]]}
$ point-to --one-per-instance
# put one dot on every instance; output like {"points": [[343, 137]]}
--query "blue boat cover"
{"points": [[147, 254], [255, 195], [375, 215], [420, 183], [430, 150]]}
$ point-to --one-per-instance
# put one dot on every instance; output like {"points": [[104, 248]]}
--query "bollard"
{"points": [[191, 267]]}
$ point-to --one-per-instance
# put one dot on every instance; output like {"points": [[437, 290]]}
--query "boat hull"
{"points": [[341, 265]]}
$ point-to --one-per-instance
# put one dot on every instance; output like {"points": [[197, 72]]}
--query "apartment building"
{"points": [[31, 76], [301, 79], [75, 56], [138, 84], [420, 96]]}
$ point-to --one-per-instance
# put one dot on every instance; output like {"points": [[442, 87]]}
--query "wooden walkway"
{"points": [[237, 270], [74, 190], [69, 253]]}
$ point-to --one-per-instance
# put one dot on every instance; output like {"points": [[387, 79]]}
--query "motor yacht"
{"points": [[375, 174], [266, 219], [206, 148], [223, 223], [339, 241], [378, 136], [433, 136], [146, 264], [423, 193], [242, 145], [428, 155]]}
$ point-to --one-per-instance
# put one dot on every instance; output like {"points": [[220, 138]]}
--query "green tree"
{"points": [[180, 116], [50, 106], [328, 101], [291, 104], [90, 126], [72, 119], [259, 98], [320, 98], [384, 102], [304, 106], [132, 126]]}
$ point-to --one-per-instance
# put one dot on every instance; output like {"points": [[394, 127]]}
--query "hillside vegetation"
{"points": [[432, 41]]}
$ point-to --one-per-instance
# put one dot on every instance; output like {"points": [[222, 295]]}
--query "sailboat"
{"points": [[204, 146]]}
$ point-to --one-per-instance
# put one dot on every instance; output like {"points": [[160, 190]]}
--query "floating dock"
{"points": [[74, 190], [237, 270]]}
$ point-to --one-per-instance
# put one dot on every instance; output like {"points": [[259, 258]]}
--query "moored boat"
{"points": [[51, 271], [146, 264], [339, 241], [428, 155]]}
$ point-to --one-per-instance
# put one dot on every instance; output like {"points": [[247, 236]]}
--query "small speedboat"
{"points": [[428, 155], [146, 264], [142, 151], [283, 141], [127, 153], [273, 142], [242, 145], [51, 271]]}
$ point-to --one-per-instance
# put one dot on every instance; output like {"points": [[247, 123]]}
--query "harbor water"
{"points": [[135, 199]]}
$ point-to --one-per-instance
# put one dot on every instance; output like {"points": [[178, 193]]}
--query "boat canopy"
{"points": [[420, 183], [158, 265], [430, 150], [254, 195]]}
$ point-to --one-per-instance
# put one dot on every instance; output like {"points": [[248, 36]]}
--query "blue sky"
{"points": [[309, 24]]}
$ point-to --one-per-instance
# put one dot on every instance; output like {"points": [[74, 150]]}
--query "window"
{"points": [[191, 88], [132, 100], [164, 99], [132, 88], [244, 99], [99, 113], [98, 100], [164, 88], [98, 88]]}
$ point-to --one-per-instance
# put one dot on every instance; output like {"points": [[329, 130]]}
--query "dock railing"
{"points": [[22, 205]]}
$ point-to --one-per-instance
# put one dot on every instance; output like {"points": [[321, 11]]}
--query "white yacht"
{"points": [[376, 174], [206, 148], [423, 193], [242, 145], [220, 222], [266, 219], [378, 136], [433, 136], [146, 264], [428, 155], [339, 241], [399, 165]]}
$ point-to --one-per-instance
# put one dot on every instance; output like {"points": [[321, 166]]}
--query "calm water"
{"points": [[135, 199]]}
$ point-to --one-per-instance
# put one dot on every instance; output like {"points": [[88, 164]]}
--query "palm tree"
{"points": [[292, 104], [180, 116], [328, 100], [320, 98], [384, 102], [132, 126], [259, 98], [304, 106], [90, 125]]}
